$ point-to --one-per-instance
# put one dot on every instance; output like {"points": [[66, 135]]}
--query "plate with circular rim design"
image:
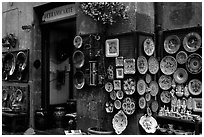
{"points": [[181, 57], [172, 44], [141, 87], [128, 106], [192, 42], [153, 65], [113, 95], [180, 75], [165, 96], [149, 46], [77, 41], [119, 94], [142, 64], [168, 65], [142, 102], [195, 87], [165, 82], [117, 104], [194, 63], [154, 88], [109, 87]]}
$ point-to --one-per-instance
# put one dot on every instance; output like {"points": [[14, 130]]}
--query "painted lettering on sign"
{"points": [[59, 12]]}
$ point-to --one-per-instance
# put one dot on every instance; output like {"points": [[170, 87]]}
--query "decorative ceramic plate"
{"points": [[172, 44], [109, 87], [153, 65], [142, 102], [119, 122], [165, 96], [181, 57], [109, 107], [148, 123], [77, 41], [190, 103], [148, 78], [142, 65], [165, 82], [128, 106], [18, 95], [154, 106], [194, 63], [119, 94], [129, 66], [79, 80], [4, 95], [149, 46], [192, 42], [168, 65], [141, 87], [195, 87], [113, 95], [21, 61], [154, 88], [117, 104], [78, 59], [129, 86], [9, 63], [180, 75], [147, 97]]}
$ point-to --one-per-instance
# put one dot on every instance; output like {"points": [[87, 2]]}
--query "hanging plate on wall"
{"points": [[129, 86], [165, 96], [195, 87], [109, 107], [149, 46], [154, 106], [117, 104], [154, 88], [181, 57], [168, 65], [165, 82], [192, 42], [148, 123], [153, 65], [194, 63], [119, 122], [113, 95], [180, 76], [79, 80], [128, 106], [108, 86], [141, 87], [148, 78], [77, 41], [148, 97], [78, 59], [142, 65], [119, 94], [142, 102], [172, 44]]}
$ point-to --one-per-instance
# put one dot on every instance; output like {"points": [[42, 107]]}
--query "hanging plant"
{"points": [[106, 13]]}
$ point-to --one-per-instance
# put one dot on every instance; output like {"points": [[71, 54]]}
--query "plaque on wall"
{"points": [[129, 66]]}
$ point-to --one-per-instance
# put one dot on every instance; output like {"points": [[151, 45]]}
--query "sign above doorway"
{"points": [[59, 13]]}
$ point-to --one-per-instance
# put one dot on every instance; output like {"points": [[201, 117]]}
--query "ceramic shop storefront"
{"points": [[102, 68]]}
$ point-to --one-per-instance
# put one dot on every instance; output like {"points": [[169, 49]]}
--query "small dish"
{"points": [[77, 42]]}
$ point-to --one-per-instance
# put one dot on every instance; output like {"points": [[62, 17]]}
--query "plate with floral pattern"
{"points": [[149, 46], [172, 44], [165, 82], [153, 65], [142, 64], [129, 86], [141, 87], [168, 65], [192, 42]]}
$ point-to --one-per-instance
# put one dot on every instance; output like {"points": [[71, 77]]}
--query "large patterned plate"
{"points": [[195, 87], [165, 96], [181, 57], [194, 63], [172, 44], [119, 122], [192, 42], [142, 65], [149, 46], [180, 75], [165, 82], [168, 65], [77, 41], [153, 65], [142, 102], [128, 106], [148, 123], [108, 86], [141, 87], [129, 86], [154, 88]]}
